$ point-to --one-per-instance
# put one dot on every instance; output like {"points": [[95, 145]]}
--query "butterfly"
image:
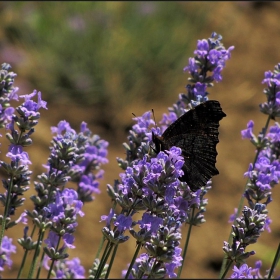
{"points": [[196, 133]]}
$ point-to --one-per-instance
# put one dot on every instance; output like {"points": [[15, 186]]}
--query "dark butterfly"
{"points": [[196, 133]]}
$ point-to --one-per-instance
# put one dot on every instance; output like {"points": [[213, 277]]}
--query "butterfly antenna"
{"points": [[155, 127], [154, 118]]}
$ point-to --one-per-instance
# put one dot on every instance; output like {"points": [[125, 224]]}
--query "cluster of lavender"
{"points": [[73, 157], [150, 183], [263, 174]]}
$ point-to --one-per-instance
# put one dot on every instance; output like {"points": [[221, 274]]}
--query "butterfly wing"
{"points": [[196, 133]]}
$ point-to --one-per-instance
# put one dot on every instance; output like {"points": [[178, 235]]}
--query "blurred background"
{"points": [[99, 62]]}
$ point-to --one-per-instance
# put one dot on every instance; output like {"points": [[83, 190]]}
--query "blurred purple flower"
{"points": [[150, 222], [17, 154], [243, 272], [7, 249], [62, 127], [123, 222], [30, 107], [248, 133]]}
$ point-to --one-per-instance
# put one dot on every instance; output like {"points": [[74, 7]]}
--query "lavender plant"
{"points": [[150, 182], [73, 157], [263, 174], [148, 185]]}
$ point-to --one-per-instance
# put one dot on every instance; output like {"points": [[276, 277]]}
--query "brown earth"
{"points": [[255, 33]]}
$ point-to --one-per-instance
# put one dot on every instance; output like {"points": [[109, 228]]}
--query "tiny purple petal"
{"points": [[123, 222]]}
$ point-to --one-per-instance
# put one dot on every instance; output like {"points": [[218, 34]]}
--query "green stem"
{"points": [[100, 247], [36, 254], [102, 263], [133, 260], [50, 270], [25, 255], [40, 266], [227, 269], [22, 263], [186, 245], [33, 231], [104, 260], [111, 262], [275, 261]]}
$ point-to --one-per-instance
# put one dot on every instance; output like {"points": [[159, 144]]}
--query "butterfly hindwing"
{"points": [[196, 133]]}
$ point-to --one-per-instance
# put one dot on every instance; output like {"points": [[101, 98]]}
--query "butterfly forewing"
{"points": [[196, 133]]}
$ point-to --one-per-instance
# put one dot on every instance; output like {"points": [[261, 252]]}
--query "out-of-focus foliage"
{"points": [[102, 53]]}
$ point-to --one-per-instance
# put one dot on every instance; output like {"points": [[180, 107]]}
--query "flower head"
{"points": [[272, 106], [6, 250], [243, 272]]}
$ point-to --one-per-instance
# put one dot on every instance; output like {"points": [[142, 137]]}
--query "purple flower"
{"points": [[243, 272], [7, 114], [22, 218], [52, 240], [263, 164], [17, 154], [143, 123], [7, 93], [272, 78], [150, 222], [62, 127], [7, 249], [233, 216], [94, 154], [214, 56], [274, 133], [166, 121], [81, 155], [247, 230], [217, 73], [264, 174], [192, 67], [256, 271], [108, 218], [68, 240], [176, 262], [62, 216], [272, 92], [89, 184], [202, 48], [30, 107], [19, 138], [210, 56], [66, 200], [142, 263], [268, 221], [182, 205], [123, 222], [76, 269], [200, 89], [84, 128], [66, 269], [150, 181], [248, 133]]}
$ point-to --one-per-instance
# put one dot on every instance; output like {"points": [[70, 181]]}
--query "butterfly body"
{"points": [[196, 133]]}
